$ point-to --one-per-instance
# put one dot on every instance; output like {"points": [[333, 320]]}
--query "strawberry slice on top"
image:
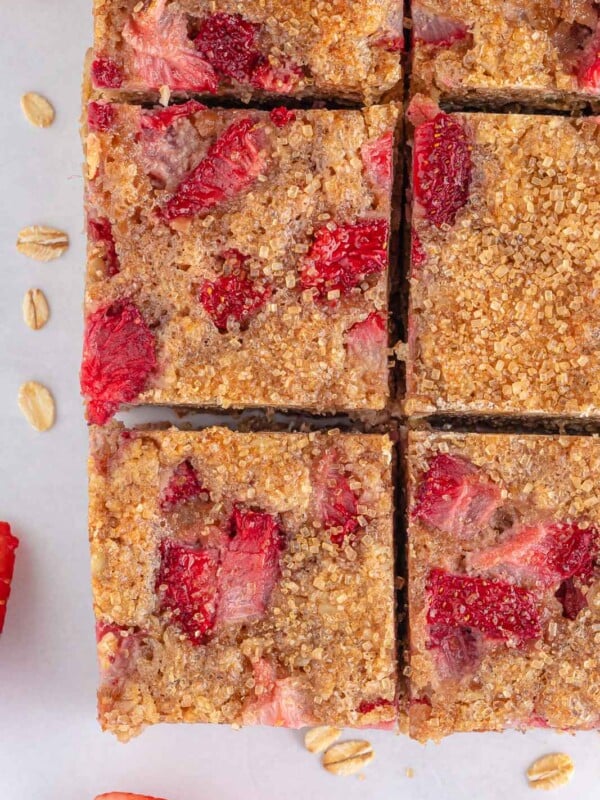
{"points": [[183, 486], [334, 502], [8, 545]]}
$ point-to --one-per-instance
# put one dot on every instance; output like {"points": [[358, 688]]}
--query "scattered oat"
{"points": [[35, 309], [550, 771], [37, 109], [348, 758], [92, 155], [410, 773], [318, 739], [42, 243], [37, 405], [164, 95]]}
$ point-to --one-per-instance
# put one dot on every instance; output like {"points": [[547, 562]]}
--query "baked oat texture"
{"points": [[323, 649], [519, 487], [505, 300]]}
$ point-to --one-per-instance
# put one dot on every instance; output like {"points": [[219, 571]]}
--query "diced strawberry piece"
{"points": [[233, 297], [183, 486], [278, 702], [460, 649], [282, 116], [441, 168], [250, 566], [125, 796], [367, 341], [106, 74], [376, 156], [588, 74], [418, 256], [545, 552], [392, 42], [118, 357], [455, 496], [341, 258], [277, 80], [117, 649], [187, 586], [101, 116], [100, 231], [335, 504], [8, 545], [571, 598], [159, 119], [498, 610], [366, 706], [436, 29], [231, 166], [422, 109], [228, 43], [162, 53]]}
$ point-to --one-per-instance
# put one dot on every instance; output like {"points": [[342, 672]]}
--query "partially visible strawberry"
{"points": [[100, 232], [442, 168], [366, 342], [8, 545], [125, 796], [250, 565], [436, 29], [546, 552], [228, 43], [106, 74], [159, 119], [341, 258], [455, 496], [588, 74], [366, 706], [187, 588], [418, 256], [231, 166], [162, 53], [459, 649], [334, 502], [101, 116], [277, 701], [282, 116], [392, 42], [571, 598], [169, 144], [183, 486], [498, 610], [377, 157], [277, 80], [118, 357], [234, 296]]}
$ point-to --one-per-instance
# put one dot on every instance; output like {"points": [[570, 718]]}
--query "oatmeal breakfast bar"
{"points": [[332, 49], [242, 578], [238, 258], [504, 589], [540, 53], [504, 313]]}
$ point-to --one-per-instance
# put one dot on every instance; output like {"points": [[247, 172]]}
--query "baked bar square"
{"points": [[243, 578]]}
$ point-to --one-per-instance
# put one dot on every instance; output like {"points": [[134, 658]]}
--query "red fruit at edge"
{"points": [[125, 796], [187, 586], [100, 231], [340, 259], [282, 116], [459, 649], [231, 166], [436, 29], [101, 116], [118, 356], [455, 496], [228, 43], [392, 42], [250, 565], [183, 485], [571, 598], [233, 297], [547, 552], [588, 74], [8, 545], [498, 610], [366, 706], [441, 168], [106, 74], [367, 342], [335, 503], [278, 80], [162, 118], [418, 256], [376, 155], [277, 701]]}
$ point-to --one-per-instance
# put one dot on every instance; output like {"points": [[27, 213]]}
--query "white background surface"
{"points": [[51, 747]]}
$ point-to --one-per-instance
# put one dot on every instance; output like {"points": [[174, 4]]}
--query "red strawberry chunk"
{"points": [[418, 256], [228, 43], [335, 504], [100, 231], [125, 796], [8, 545], [160, 119], [234, 297], [588, 74], [282, 116], [366, 342], [459, 649], [187, 587], [455, 496], [230, 167], [162, 54], [377, 158], [392, 42], [571, 598], [278, 701], [498, 610], [106, 74], [277, 80], [436, 29], [118, 357], [250, 566], [441, 168], [366, 706], [547, 552], [183, 486], [341, 258], [101, 116]]}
